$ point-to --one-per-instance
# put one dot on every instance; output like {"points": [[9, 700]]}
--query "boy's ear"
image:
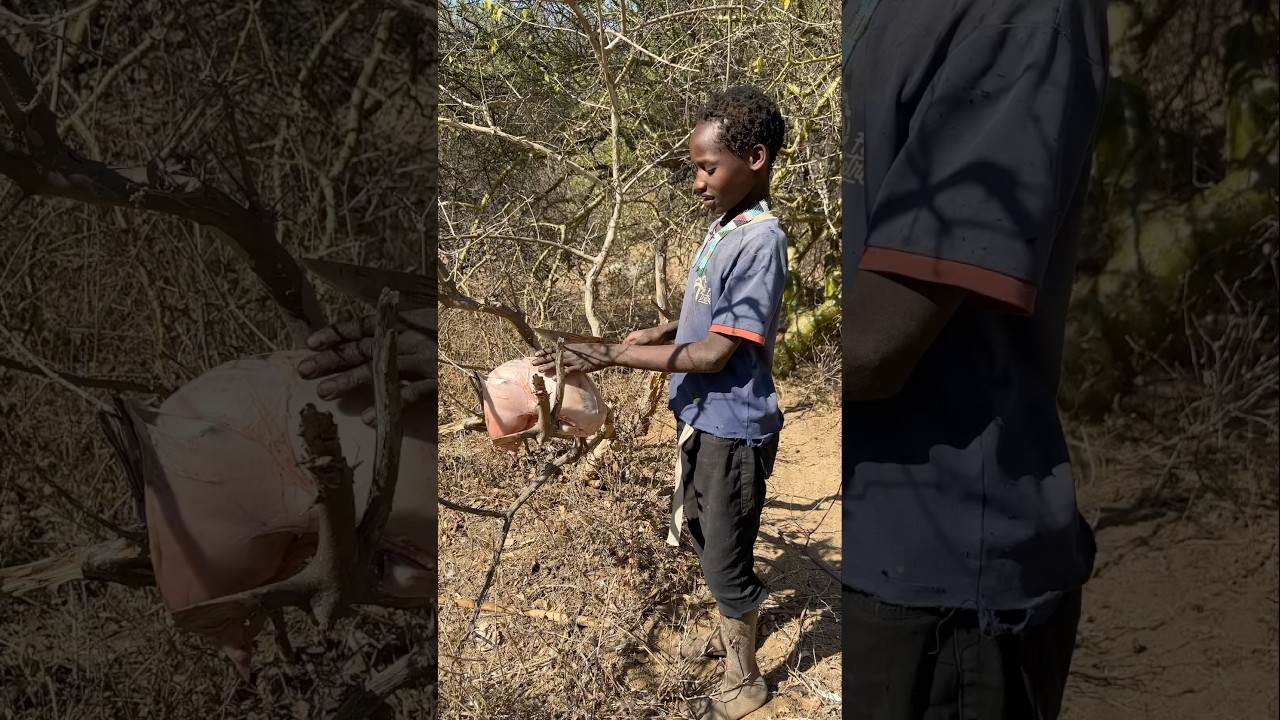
{"points": [[758, 157]]}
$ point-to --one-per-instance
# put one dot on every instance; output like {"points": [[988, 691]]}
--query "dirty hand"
{"points": [[585, 357], [345, 358]]}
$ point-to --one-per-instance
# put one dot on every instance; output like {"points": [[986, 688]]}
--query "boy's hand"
{"points": [[346, 353], [584, 357], [658, 335], [647, 336]]}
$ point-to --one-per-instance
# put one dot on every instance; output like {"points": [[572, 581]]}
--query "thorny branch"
{"points": [[524, 143], [534, 337]]}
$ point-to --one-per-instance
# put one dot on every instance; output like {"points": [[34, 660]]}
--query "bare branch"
{"points": [[48, 21], [85, 381], [602, 53], [522, 238], [355, 106], [137, 537], [248, 184], [560, 383], [13, 341], [116, 70], [619, 37], [524, 143], [550, 469], [450, 298], [534, 337], [47, 167]]}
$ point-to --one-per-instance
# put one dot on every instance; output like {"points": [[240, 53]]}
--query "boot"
{"points": [[703, 645], [743, 689]]}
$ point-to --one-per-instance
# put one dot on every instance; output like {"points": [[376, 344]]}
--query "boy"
{"points": [[970, 127], [720, 356]]}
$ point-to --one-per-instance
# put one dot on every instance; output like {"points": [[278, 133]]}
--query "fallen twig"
{"points": [[579, 620], [85, 381]]}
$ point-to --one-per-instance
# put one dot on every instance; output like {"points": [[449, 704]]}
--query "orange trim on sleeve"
{"points": [[738, 332], [1003, 292]]}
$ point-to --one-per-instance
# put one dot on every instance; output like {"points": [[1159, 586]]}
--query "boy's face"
{"points": [[721, 177]]}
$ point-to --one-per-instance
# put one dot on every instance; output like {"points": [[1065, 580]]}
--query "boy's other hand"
{"points": [[647, 336], [346, 354], [583, 357]]}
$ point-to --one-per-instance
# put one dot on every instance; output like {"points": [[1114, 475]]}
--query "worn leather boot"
{"points": [[703, 645], [743, 689]]}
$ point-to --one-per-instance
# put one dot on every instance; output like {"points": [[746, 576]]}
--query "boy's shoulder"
{"points": [[762, 233]]}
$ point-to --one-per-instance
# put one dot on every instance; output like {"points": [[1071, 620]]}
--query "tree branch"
{"points": [[46, 166], [85, 381], [550, 469], [524, 143]]}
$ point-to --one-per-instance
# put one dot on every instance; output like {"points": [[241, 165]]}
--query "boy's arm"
{"points": [[891, 321], [704, 356], [971, 207]]}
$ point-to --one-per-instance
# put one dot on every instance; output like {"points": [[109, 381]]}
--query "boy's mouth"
{"points": [[708, 201]]}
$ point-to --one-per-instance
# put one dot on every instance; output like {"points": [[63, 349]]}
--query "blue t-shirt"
{"points": [[737, 293], [970, 132]]}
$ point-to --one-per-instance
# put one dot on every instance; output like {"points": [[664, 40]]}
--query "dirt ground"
{"points": [[1180, 617]]}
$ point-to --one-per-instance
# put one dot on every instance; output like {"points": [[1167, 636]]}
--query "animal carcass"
{"points": [[229, 508], [510, 405]]}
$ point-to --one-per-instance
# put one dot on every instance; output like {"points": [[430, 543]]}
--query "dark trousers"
{"points": [[933, 664], [724, 497]]}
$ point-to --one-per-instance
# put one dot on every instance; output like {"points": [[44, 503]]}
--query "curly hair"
{"points": [[747, 117]]}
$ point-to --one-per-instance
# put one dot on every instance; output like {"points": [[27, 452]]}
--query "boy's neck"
{"points": [[752, 198]]}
